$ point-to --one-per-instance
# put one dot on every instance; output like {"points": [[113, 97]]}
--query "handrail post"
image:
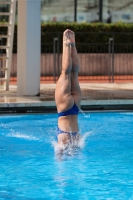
{"points": [[0, 45], [1, 56], [54, 64], [111, 60]]}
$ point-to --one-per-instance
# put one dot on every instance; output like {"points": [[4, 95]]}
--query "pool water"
{"points": [[101, 169]]}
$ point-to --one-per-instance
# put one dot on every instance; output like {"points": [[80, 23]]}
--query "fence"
{"points": [[105, 62]]}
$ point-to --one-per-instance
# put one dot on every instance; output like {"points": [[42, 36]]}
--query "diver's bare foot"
{"points": [[69, 38]]}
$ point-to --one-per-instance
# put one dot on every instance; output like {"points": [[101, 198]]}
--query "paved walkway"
{"points": [[94, 96]]}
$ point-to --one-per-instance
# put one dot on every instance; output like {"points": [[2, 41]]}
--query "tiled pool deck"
{"points": [[95, 96]]}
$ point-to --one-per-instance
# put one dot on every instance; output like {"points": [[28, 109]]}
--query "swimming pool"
{"points": [[102, 169]]}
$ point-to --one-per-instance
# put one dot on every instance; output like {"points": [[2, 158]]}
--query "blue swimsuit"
{"points": [[72, 111]]}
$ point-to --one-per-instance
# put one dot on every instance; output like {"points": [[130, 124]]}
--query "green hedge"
{"points": [[86, 33], [89, 32]]}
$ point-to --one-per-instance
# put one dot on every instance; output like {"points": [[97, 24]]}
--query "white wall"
{"points": [[29, 42]]}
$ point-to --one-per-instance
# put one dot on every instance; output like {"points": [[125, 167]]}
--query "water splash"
{"points": [[86, 116], [22, 136], [12, 133], [82, 140], [71, 148]]}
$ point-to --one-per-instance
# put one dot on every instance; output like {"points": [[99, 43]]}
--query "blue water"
{"points": [[102, 169]]}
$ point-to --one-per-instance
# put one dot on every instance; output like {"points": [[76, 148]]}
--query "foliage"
{"points": [[86, 34]]}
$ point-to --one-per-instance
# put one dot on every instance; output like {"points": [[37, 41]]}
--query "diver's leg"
{"points": [[75, 88], [63, 96]]}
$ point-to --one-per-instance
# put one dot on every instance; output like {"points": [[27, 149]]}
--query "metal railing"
{"points": [[100, 62], [114, 63]]}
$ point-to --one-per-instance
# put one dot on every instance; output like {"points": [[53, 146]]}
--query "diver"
{"points": [[68, 94]]}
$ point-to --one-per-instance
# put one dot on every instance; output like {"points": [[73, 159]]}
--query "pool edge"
{"points": [[50, 106]]}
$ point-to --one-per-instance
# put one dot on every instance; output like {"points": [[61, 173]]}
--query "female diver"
{"points": [[68, 94]]}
